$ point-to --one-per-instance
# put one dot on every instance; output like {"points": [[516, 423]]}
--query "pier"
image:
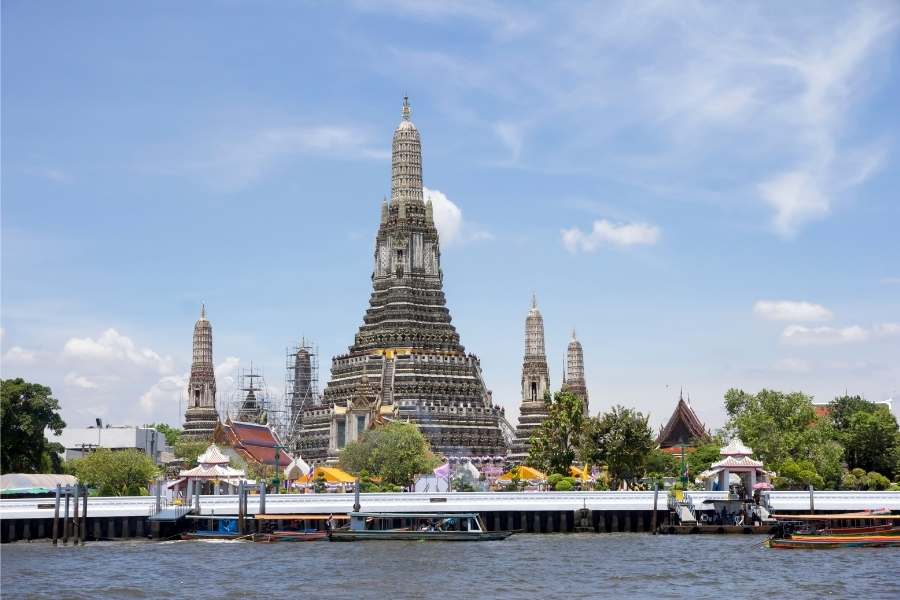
{"points": [[538, 512]]}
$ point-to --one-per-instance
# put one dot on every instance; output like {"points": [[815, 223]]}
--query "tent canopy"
{"points": [[525, 473], [331, 475]]}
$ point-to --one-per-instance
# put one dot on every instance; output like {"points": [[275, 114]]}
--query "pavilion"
{"points": [[738, 463], [213, 471]]}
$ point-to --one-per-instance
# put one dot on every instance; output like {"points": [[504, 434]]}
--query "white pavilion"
{"points": [[213, 468], [736, 466]]}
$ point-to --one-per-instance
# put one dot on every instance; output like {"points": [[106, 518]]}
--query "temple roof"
{"points": [[254, 442], [684, 427], [736, 448], [213, 456]]}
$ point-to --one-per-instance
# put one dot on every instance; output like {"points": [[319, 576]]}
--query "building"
{"points": [[79, 441], [684, 429], [406, 361], [201, 417], [574, 381], [535, 384], [252, 443]]}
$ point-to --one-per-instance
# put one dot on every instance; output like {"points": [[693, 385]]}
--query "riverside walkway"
{"points": [[486, 502]]}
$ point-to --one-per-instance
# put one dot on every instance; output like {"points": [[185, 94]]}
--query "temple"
{"points": [[406, 362], [683, 429], [535, 384], [574, 381], [201, 417]]}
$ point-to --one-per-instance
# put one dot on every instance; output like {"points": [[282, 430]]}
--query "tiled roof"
{"points": [[685, 415]]}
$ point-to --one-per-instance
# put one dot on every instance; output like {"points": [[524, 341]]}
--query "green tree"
{"points": [[662, 464], [872, 440], [171, 433], [27, 410], [623, 440], [396, 453], [116, 473], [798, 475], [556, 443], [842, 408], [783, 426], [189, 450], [703, 457]]}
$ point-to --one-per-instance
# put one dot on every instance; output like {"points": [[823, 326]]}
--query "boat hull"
{"points": [[828, 542], [419, 536], [289, 536]]}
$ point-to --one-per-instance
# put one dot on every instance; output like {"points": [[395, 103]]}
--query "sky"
{"points": [[705, 192]]}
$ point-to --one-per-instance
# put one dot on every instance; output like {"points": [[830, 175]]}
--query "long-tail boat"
{"points": [[816, 531], [447, 527], [813, 542]]}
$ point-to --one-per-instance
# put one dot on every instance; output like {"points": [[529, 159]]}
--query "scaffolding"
{"points": [[301, 387], [250, 400]]}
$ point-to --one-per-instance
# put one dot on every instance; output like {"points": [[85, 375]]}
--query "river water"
{"points": [[522, 567]]}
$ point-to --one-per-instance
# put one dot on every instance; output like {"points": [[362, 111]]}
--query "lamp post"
{"points": [[276, 481]]}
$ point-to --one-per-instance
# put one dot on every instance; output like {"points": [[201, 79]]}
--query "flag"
{"points": [[443, 470]]}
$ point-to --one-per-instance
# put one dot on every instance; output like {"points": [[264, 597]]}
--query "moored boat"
{"points": [[447, 527], [290, 536], [829, 542]]}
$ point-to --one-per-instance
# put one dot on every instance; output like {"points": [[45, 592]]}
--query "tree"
{"points": [[172, 433], [842, 408], [116, 473], [661, 464], [703, 457], [27, 410], [783, 426], [396, 453], [556, 443], [872, 440], [189, 450], [622, 439], [798, 475]]}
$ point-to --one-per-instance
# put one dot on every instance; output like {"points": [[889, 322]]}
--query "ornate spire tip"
{"points": [[406, 109]]}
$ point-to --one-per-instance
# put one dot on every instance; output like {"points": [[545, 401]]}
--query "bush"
{"points": [[554, 479], [564, 485], [877, 481]]}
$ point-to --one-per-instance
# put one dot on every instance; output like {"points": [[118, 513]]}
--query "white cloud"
{"points": [[796, 198], [20, 356], [513, 137], [73, 379], [165, 391], [112, 346], [605, 232], [802, 335], [448, 219], [789, 310], [887, 329]]}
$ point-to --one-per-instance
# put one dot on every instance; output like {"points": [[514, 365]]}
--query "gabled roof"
{"points": [[212, 456], [254, 442], [683, 427]]}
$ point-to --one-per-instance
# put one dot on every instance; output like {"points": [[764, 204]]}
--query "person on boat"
{"points": [[329, 523]]}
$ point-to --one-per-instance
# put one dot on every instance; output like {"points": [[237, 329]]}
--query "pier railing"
{"points": [[125, 506]]}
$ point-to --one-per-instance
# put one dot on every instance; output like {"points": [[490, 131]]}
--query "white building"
{"points": [[81, 440]]}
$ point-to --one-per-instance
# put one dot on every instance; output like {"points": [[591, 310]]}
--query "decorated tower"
{"points": [[406, 362], [201, 417], [574, 381], [535, 384]]}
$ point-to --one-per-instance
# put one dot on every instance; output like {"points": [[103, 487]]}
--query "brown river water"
{"points": [[523, 567]]}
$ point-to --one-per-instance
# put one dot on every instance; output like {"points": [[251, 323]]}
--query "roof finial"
{"points": [[681, 393], [203, 310], [573, 335], [533, 300], [406, 110]]}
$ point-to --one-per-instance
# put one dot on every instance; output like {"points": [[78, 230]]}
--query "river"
{"points": [[526, 567]]}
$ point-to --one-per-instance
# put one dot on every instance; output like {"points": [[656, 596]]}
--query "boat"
{"points": [[816, 531], [309, 535], [822, 541], [211, 535], [444, 527]]}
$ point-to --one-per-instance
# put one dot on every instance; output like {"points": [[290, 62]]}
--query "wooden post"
{"points": [[655, 498], [56, 516], [84, 492], [240, 499], [262, 498], [76, 497], [66, 517], [812, 502]]}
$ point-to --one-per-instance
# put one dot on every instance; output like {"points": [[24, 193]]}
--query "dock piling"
{"points": [[56, 516], [66, 517], [76, 524], [84, 492], [653, 517]]}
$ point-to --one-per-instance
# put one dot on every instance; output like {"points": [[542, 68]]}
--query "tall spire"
{"points": [[201, 417], [203, 310], [575, 381], [406, 160]]}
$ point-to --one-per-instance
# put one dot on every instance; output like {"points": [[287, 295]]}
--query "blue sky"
{"points": [[706, 191]]}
